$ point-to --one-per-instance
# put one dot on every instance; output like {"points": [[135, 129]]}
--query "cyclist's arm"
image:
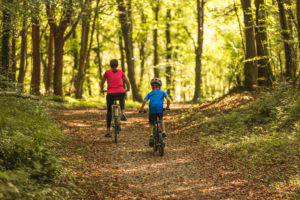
{"points": [[143, 105], [102, 83], [168, 102], [127, 83]]}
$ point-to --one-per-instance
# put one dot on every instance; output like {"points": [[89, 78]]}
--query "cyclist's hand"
{"points": [[127, 90], [103, 91]]}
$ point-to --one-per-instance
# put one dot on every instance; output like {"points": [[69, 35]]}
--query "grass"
{"points": [[263, 136], [29, 168]]}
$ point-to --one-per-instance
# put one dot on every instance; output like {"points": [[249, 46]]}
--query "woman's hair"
{"points": [[114, 64]]}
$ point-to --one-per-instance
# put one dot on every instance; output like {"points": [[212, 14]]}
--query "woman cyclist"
{"points": [[115, 89]]}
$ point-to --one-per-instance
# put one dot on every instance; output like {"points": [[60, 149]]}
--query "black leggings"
{"points": [[109, 101]]}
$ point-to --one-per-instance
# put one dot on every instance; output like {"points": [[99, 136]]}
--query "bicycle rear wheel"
{"points": [[116, 130], [161, 144]]}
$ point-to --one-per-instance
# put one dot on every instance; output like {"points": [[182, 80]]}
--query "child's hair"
{"points": [[114, 64]]}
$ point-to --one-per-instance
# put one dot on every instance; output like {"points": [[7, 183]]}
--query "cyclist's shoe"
{"points": [[123, 117], [151, 140], [164, 135], [107, 134]]}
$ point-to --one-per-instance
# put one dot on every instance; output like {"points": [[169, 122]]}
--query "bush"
{"points": [[27, 163]]}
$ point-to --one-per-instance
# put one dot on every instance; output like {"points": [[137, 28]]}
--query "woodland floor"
{"points": [[131, 170]]}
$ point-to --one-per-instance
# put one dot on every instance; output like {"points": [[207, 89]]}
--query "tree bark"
{"points": [[155, 42], [265, 75], [298, 20], [49, 73], [12, 75], [250, 69], [23, 49], [142, 44], [36, 55], [198, 51], [169, 52], [289, 62], [5, 50], [126, 25]]}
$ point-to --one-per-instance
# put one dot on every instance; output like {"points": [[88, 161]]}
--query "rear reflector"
{"points": [[115, 106]]}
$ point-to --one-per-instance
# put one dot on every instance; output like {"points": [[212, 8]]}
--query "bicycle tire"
{"points": [[161, 144], [116, 127]]}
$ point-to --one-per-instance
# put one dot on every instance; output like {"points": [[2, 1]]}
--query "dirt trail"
{"points": [[131, 170]]}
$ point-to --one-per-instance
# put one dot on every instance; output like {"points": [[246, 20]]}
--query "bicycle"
{"points": [[158, 141], [116, 117]]}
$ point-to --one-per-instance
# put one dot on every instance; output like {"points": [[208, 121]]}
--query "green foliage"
{"points": [[263, 135], [28, 166]]}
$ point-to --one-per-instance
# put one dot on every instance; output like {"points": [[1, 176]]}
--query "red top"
{"points": [[114, 81]]}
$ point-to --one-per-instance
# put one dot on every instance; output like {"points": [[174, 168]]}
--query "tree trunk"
{"points": [[290, 64], [121, 47], [155, 42], [298, 20], [199, 48], [49, 73], [83, 51], [142, 46], [250, 69], [5, 50], [82, 59], [265, 75], [58, 63], [126, 24], [169, 53], [12, 75], [36, 55], [23, 49]]}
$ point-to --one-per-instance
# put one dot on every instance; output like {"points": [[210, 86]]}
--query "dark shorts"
{"points": [[154, 117]]}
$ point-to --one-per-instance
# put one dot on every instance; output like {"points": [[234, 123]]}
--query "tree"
{"points": [[250, 68], [49, 73], [298, 20], [265, 75], [169, 52], [59, 39], [5, 49], [199, 48], [126, 25], [290, 64], [23, 48], [155, 40], [36, 52], [83, 50]]}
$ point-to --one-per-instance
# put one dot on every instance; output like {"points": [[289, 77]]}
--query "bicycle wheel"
{"points": [[161, 144], [155, 143], [116, 129]]}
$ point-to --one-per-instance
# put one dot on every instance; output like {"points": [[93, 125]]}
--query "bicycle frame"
{"points": [[158, 140], [116, 119]]}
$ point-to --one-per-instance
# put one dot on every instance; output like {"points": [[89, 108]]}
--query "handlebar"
{"points": [[145, 111]]}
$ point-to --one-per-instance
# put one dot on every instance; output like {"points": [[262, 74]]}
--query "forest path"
{"points": [[131, 170]]}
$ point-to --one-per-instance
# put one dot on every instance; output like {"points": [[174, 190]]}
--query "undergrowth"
{"points": [[71, 103], [263, 136], [29, 169]]}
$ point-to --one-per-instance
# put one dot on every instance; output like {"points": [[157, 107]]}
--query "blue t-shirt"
{"points": [[156, 104]]}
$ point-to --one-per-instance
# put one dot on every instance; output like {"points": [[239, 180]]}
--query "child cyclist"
{"points": [[156, 97]]}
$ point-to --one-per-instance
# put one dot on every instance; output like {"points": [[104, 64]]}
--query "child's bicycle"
{"points": [[115, 110], [158, 141]]}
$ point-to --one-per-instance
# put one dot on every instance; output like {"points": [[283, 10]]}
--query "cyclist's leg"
{"points": [[109, 102], [163, 127]]}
